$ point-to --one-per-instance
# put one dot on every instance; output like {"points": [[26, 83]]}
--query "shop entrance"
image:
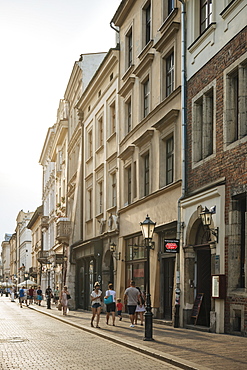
{"points": [[86, 275], [168, 268]]}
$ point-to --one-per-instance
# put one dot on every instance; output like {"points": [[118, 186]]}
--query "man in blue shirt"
{"points": [[21, 296]]}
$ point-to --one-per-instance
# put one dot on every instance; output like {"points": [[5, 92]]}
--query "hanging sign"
{"points": [[171, 245]]}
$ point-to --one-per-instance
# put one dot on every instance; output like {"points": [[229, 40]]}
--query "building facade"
{"points": [[35, 271], [23, 245], [149, 144], [98, 107], [214, 256]]}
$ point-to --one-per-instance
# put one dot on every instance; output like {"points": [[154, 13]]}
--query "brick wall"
{"points": [[231, 164]]}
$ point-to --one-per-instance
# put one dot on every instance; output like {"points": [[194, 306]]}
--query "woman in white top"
{"points": [[96, 297], [111, 307]]}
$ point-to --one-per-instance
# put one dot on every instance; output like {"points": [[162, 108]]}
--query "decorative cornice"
{"points": [[127, 86], [144, 64], [144, 138], [127, 152], [168, 33], [166, 120]]}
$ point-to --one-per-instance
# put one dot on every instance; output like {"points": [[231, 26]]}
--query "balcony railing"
{"points": [[63, 229]]}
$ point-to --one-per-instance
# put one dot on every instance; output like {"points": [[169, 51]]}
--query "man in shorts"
{"points": [[131, 297]]}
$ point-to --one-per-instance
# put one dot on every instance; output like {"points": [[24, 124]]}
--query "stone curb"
{"points": [[165, 357]]}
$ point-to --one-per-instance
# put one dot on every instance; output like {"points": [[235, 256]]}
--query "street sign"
{"points": [[171, 245]]}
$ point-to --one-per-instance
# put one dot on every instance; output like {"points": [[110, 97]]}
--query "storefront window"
{"points": [[135, 261]]}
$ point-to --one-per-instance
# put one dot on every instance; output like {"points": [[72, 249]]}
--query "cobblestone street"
{"points": [[31, 340]]}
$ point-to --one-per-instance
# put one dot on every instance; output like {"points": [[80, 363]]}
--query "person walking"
{"points": [[21, 296], [131, 297], [140, 308], [30, 295], [48, 294], [64, 299], [39, 295], [111, 307], [56, 295], [96, 297], [119, 308]]}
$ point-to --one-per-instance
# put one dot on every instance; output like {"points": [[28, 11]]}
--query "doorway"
{"points": [[168, 268], [203, 273]]}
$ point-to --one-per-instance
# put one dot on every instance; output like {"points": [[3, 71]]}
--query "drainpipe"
{"points": [[183, 149]]}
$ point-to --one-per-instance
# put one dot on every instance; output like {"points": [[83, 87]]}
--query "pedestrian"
{"points": [[64, 299], [119, 308], [140, 308], [111, 307], [30, 295], [35, 300], [131, 297], [39, 295], [21, 296], [56, 295], [25, 295], [96, 297], [48, 294]]}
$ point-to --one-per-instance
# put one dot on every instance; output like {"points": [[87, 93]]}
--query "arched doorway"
{"points": [[203, 273]]}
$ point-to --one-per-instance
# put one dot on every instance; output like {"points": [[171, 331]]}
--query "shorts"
{"points": [[119, 313], [131, 310], [96, 305], [21, 299], [111, 307]]}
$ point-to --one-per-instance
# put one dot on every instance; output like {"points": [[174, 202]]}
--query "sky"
{"points": [[39, 42]]}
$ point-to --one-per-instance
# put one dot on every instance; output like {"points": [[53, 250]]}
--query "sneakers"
{"points": [[132, 326]]}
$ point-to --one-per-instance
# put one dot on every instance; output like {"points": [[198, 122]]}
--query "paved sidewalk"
{"points": [[184, 348]]}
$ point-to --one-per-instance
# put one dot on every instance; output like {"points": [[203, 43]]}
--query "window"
{"points": [[112, 118], [169, 160], [170, 6], [146, 174], [236, 96], [90, 204], [128, 115], [203, 121], [114, 189], [205, 14], [100, 197], [147, 23], [100, 132], [129, 184], [90, 144], [146, 97], [238, 241], [169, 74], [135, 261], [135, 180], [129, 43]]}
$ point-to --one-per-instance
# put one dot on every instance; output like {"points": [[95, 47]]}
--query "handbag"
{"points": [[59, 306], [68, 296], [108, 299]]}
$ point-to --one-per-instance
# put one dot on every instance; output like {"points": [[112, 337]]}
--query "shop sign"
{"points": [[171, 245]]}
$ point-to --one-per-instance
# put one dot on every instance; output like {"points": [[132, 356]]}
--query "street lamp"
{"points": [[147, 227], [48, 265], [206, 217]]}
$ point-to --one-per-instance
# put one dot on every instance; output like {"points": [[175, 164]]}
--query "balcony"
{"points": [[33, 271], [42, 256], [63, 230], [44, 222]]}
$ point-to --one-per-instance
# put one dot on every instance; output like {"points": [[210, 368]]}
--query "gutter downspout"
{"points": [[183, 149]]}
